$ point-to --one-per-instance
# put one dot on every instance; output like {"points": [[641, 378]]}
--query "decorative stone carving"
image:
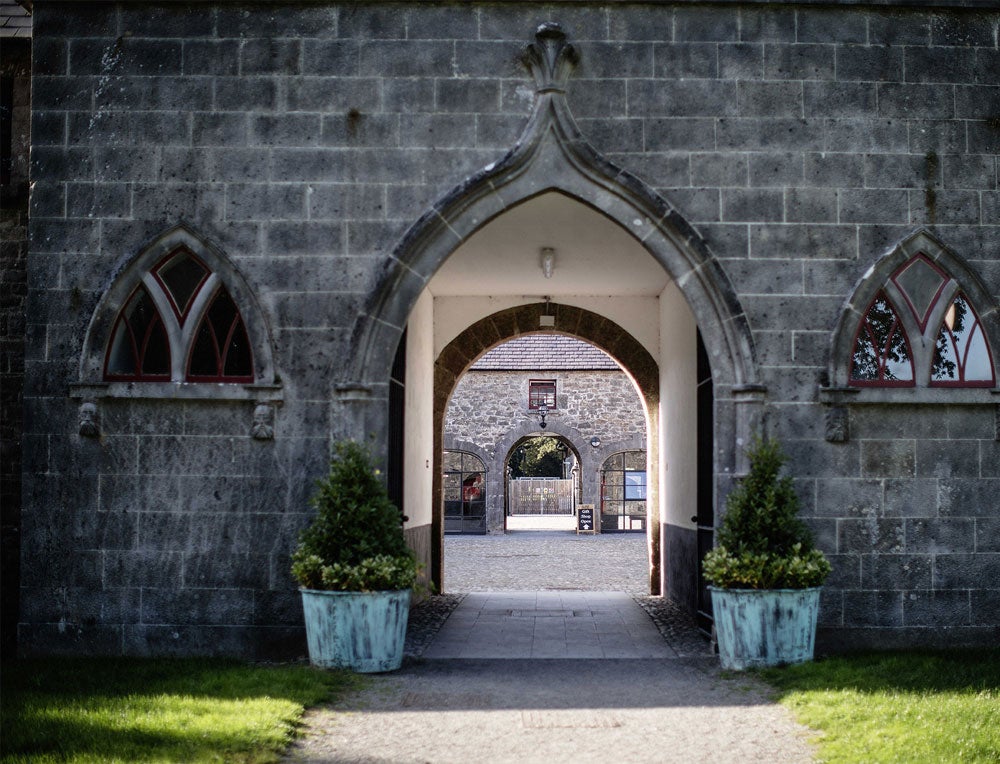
{"points": [[263, 422], [551, 59], [89, 423], [837, 424]]}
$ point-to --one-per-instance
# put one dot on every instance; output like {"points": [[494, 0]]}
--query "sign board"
{"points": [[585, 519]]}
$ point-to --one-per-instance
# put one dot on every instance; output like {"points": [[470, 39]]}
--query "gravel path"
{"points": [[549, 711]]}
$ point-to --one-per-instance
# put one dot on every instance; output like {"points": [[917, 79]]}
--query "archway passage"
{"points": [[459, 354]]}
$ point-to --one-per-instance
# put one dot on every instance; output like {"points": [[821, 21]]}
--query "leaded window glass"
{"points": [[881, 350], [139, 348], [961, 355]]}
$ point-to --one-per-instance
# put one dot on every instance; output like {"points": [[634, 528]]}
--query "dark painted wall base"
{"points": [[679, 564], [834, 641]]}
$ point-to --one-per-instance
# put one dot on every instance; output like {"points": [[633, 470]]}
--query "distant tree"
{"points": [[538, 457]]}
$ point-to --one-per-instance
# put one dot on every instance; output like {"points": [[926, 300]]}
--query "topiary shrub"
{"points": [[355, 542], [763, 543]]}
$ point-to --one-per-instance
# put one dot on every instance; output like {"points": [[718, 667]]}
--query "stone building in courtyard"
{"points": [[590, 406], [257, 228]]}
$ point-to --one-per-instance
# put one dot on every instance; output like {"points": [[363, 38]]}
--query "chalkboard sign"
{"points": [[585, 519]]}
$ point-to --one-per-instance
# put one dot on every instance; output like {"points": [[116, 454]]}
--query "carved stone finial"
{"points": [[263, 422], [89, 424], [550, 58], [837, 425]]}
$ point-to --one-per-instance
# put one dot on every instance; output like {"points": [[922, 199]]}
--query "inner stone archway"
{"points": [[574, 321]]}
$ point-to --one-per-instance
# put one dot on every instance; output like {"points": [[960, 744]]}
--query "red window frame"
{"points": [[882, 355], [139, 345]]}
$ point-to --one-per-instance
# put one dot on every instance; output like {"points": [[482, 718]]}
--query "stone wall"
{"points": [[798, 143]]}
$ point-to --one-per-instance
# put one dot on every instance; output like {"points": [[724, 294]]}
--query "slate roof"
{"points": [[14, 20], [544, 352]]}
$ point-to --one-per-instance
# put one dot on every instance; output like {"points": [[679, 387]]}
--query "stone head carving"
{"points": [[837, 425], [89, 426], [263, 422]]}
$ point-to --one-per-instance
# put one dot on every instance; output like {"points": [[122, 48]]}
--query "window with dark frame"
{"points": [[541, 392]]}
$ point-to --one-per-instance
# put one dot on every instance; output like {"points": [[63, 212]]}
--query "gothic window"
{"points": [[961, 355], [921, 330], [881, 350], [180, 322], [541, 392]]}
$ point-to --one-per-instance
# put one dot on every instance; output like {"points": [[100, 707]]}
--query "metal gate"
{"points": [[541, 496]]}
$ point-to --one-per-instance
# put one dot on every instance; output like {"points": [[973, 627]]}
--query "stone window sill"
{"points": [[944, 396], [188, 391]]}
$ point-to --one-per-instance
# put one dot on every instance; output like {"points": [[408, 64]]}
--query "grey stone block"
{"points": [[172, 94], [967, 497], [489, 59], [741, 60], [164, 531], [260, 201], [930, 608], [809, 348], [337, 202], [217, 570], [715, 169], [985, 607], [948, 458], [63, 93], [198, 607], [682, 134], [768, 169], [467, 96], [360, 129], [987, 64], [365, 237], [285, 129], [854, 135], [372, 22], [50, 57], [949, 207], [939, 64], [447, 23], [901, 171], [827, 25], [965, 571], [834, 170], [215, 129], [178, 201], [256, 21], [270, 56], [317, 94], [587, 98], [977, 101], [498, 130], [911, 498], [706, 23], [408, 95], [246, 94], [48, 128], [653, 22], [959, 28], [769, 99], [684, 98], [888, 458], [940, 536], [112, 58], [64, 236], [769, 24], [871, 608], [870, 63], [811, 205], [882, 536], [898, 572], [799, 62], [168, 21], [895, 27], [410, 58], [846, 573], [866, 206], [48, 639], [79, 606], [437, 130], [942, 137], [330, 58], [915, 101], [759, 277], [684, 60], [102, 200], [89, 21], [769, 134], [983, 137], [752, 204], [813, 241], [211, 57], [303, 165], [142, 569], [296, 238], [697, 205], [839, 99], [602, 60]]}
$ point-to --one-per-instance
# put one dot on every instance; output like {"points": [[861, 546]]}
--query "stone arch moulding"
{"points": [[839, 392], [126, 277], [552, 155]]}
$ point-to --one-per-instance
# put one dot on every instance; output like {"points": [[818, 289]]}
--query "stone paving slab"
{"points": [[547, 624]]}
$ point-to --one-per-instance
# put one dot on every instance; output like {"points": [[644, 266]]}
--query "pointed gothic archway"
{"points": [[552, 156]]}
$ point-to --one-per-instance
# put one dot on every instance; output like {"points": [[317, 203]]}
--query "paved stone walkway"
{"points": [[675, 707]]}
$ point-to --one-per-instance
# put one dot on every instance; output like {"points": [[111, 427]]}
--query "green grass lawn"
{"points": [[165, 710], [898, 707]]}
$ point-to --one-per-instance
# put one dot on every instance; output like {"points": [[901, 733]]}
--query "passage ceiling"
{"points": [[593, 255]]}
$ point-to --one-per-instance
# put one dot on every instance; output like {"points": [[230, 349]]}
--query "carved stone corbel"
{"points": [[837, 424], [90, 426], [263, 422]]}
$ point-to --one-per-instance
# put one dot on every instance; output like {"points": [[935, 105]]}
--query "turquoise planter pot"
{"points": [[764, 627], [361, 631]]}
